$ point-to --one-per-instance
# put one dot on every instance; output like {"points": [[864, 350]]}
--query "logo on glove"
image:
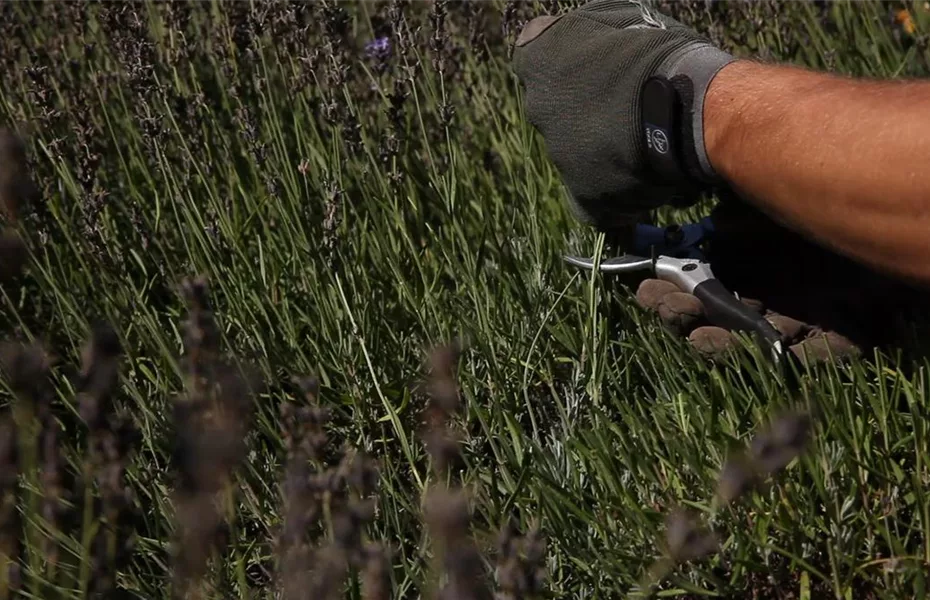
{"points": [[657, 139]]}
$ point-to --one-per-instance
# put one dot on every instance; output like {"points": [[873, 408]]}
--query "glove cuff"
{"points": [[691, 71]]}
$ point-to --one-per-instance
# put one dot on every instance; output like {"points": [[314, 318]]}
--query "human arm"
{"points": [[590, 113], [840, 160]]}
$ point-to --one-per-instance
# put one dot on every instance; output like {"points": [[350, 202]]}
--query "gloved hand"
{"points": [[824, 305], [583, 73], [683, 314]]}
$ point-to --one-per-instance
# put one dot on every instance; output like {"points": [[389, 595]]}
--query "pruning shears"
{"points": [[675, 254]]}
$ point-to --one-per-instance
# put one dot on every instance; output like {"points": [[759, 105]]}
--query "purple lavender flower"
{"points": [[379, 48]]}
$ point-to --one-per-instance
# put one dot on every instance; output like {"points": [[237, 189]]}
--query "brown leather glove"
{"points": [[683, 314], [823, 304]]}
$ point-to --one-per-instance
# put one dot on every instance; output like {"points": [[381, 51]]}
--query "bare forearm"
{"points": [[846, 162]]}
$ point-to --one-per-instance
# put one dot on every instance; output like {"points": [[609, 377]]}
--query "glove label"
{"points": [[657, 139], [659, 107]]}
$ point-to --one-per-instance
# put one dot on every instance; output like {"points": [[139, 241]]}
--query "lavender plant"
{"points": [[357, 183]]}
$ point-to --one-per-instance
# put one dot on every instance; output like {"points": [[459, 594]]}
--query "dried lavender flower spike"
{"points": [[13, 255], [376, 572], [16, 186], [9, 516], [736, 478], [686, 540], [520, 565], [780, 443], [211, 420]]}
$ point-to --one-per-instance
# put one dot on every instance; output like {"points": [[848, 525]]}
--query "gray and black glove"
{"points": [[585, 74]]}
